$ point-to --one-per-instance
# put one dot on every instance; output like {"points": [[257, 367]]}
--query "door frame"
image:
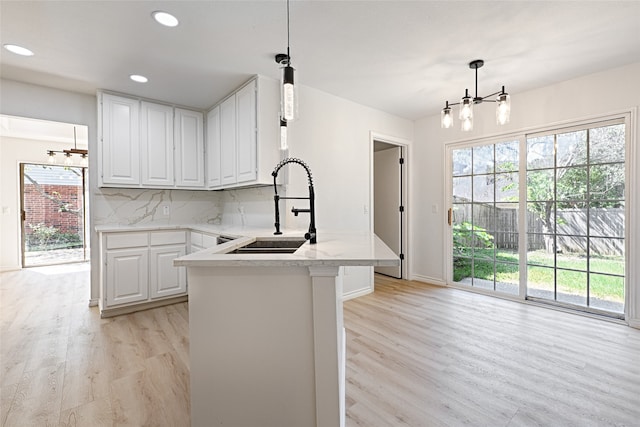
{"points": [[406, 148]]}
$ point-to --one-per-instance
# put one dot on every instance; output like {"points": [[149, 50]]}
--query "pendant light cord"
{"points": [[288, 53]]}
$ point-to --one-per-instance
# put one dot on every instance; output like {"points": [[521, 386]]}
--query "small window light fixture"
{"points": [[164, 18], [138, 78], [18, 50]]}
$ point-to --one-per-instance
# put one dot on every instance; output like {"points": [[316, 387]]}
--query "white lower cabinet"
{"points": [[167, 280], [137, 269], [127, 276], [199, 241]]}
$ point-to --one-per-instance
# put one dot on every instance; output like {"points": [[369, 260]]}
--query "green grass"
{"points": [[540, 276]]}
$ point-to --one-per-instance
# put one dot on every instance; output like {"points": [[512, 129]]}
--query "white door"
{"points": [[246, 142], [228, 141], [388, 208], [189, 154], [127, 276], [156, 140], [213, 148], [165, 279], [120, 141]]}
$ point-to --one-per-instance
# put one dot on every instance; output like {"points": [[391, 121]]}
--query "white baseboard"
{"points": [[429, 280], [4, 268], [634, 323], [93, 302], [356, 294]]}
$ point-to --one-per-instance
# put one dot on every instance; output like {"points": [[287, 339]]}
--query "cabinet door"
{"points": [[120, 156], [165, 279], [228, 141], [156, 140], [214, 178], [127, 276], [189, 153], [246, 139]]}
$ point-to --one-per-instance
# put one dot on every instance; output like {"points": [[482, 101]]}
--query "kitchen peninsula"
{"points": [[267, 341]]}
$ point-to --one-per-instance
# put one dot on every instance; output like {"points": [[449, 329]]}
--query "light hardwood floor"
{"points": [[417, 355]]}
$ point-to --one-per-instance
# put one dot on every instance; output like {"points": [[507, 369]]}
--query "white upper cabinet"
{"points": [[149, 145], [189, 153], [228, 134], [248, 146], [120, 141], [214, 176], [246, 149], [156, 140]]}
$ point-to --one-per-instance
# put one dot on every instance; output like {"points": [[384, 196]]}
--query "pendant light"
{"points": [[288, 90], [503, 105], [68, 160]]}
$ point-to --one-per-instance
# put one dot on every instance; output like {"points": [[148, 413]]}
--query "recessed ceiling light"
{"points": [[138, 78], [165, 18], [18, 50]]}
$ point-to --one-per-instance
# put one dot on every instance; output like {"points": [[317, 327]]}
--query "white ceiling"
{"points": [[405, 58]]}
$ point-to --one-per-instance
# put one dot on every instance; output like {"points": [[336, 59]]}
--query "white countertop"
{"points": [[332, 249]]}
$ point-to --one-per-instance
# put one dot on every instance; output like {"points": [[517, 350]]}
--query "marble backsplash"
{"points": [[128, 206]]}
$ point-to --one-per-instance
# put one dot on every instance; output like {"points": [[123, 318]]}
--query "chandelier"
{"points": [[503, 105], [68, 160]]}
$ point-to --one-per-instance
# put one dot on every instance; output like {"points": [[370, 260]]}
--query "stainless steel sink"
{"points": [[275, 246]]}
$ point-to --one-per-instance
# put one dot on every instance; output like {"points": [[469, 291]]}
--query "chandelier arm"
{"points": [[491, 94], [455, 103]]}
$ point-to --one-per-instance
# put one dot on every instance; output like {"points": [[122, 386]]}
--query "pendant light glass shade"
{"points": [[289, 95], [84, 161], [52, 157], [446, 119], [503, 108], [466, 112], [68, 161]]}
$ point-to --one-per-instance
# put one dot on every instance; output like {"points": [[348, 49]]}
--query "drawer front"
{"points": [[168, 237], [127, 240]]}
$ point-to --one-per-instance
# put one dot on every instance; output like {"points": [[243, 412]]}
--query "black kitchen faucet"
{"points": [[311, 234]]}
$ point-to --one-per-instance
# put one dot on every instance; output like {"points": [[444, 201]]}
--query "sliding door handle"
{"points": [[449, 216]]}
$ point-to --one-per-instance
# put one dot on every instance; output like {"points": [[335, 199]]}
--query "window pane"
{"points": [[606, 292], [483, 245], [507, 247], [507, 278], [540, 152], [541, 217], [537, 254], [571, 218], [540, 185], [572, 148], [483, 159], [462, 189], [483, 274], [461, 160], [606, 144], [507, 156], [462, 270], [571, 183], [506, 217], [571, 252], [606, 221], [462, 239], [461, 213], [507, 187], [606, 255], [571, 287], [540, 282], [484, 216], [607, 182], [483, 186]]}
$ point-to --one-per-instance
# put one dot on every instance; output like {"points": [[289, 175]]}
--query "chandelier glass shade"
{"points": [[465, 115]]}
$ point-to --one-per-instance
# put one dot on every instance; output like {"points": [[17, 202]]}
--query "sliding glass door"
{"points": [[542, 216]]}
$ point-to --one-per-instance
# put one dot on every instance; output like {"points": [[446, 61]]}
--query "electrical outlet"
{"points": [[166, 210]]}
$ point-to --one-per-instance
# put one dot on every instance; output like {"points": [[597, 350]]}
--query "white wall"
{"points": [[590, 96]]}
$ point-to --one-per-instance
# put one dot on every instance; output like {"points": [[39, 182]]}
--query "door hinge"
{"points": [[401, 256], [401, 208], [402, 160]]}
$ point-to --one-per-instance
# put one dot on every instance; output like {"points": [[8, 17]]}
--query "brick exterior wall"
{"points": [[40, 209]]}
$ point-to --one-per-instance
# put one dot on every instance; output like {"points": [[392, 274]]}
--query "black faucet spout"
{"points": [[311, 234]]}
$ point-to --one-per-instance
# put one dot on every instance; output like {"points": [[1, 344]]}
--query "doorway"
{"points": [[389, 223], [53, 214]]}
